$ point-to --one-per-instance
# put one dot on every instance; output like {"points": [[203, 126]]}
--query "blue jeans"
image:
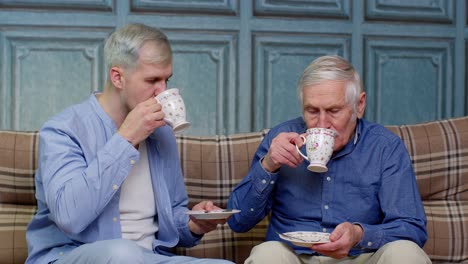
{"points": [[122, 251]]}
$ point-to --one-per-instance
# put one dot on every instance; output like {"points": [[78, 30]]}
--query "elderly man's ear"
{"points": [[361, 106]]}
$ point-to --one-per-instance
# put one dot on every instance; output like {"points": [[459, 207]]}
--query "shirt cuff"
{"points": [[264, 181], [371, 237]]}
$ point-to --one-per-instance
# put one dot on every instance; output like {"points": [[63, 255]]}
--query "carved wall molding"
{"points": [[90, 5], [35, 64], [197, 7], [411, 10], [219, 50], [418, 72], [305, 9], [282, 55]]}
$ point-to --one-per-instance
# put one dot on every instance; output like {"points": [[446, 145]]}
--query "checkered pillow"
{"points": [[439, 151], [18, 153]]}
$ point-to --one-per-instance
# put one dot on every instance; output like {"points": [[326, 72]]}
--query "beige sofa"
{"points": [[214, 165]]}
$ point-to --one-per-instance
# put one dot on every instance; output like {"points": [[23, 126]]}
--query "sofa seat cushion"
{"points": [[447, 229], [13, 222]]}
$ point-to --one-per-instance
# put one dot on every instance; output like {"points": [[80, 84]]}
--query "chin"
{"points": [[338, 146]]}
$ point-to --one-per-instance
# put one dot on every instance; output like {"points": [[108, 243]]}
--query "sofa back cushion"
{"points": [[439, 152], [212, 167], [18, 162]]}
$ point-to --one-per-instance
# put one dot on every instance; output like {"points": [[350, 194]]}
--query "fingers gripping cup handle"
{"points": [[299, 151]]}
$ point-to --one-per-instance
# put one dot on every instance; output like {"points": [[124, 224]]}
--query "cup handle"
{"points": [[299, 151]]}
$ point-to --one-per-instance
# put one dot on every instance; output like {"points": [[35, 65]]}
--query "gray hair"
{"points": [[122, 47], [331, 68]]}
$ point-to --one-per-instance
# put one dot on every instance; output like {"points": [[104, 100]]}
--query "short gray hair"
{"points": [[331, 68], [122, 46]]}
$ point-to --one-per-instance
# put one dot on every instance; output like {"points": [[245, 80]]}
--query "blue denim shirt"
{"points": [[369, 182], [82, 164]]}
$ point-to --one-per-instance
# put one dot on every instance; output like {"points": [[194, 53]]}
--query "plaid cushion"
{"points": [[439, 151], [13, 222], [18, 152], [214, 165]]}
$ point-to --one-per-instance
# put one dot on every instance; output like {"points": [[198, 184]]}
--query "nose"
{"points": [[160, 87], [324, 120]]}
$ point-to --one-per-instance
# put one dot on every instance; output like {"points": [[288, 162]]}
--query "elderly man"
{"points": [[368, 199]]}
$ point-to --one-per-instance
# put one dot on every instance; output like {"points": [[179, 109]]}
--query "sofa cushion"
{"points": [[212, 167], [439, 152], [13, 222], [18, 162]]}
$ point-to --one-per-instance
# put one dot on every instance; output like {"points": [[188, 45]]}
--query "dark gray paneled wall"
{"points": [[237, 62]]}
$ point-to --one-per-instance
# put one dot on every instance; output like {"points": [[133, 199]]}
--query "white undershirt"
{"points": [[137, 207]]}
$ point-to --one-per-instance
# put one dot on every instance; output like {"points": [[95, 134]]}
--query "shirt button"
{"points": [[326, 207], [263, 181], [324, 230], [329, 178], [115, 187], [369, 243], [251, 209], [61, 253], [132, 162], [114, 219], [272, 182]]}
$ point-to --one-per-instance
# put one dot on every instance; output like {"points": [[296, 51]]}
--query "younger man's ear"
{"points": [[116, 76]]}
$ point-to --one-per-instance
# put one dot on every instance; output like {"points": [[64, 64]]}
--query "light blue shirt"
{"points": [[82, 164], [369, 182]]}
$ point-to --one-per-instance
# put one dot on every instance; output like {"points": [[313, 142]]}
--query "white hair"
{"points": [[122, 46], [332, 68]]}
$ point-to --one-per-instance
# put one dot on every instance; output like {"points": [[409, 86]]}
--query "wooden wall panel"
{"points": [[49, 5], [220, 7], [426, 11], [279, 62], [409, 80], [204, 68], [318, 8], [48, 72]]}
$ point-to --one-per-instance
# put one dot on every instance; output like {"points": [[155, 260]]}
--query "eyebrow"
{"points": [[156, 77], [326, 107]]}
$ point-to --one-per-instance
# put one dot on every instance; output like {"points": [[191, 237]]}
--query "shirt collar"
{"points": [[106, 119], [357, 132], [349, 147]]}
